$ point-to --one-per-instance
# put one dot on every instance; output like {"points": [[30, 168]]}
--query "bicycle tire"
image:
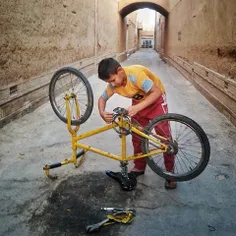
{"points": [[192, 125], [79, 79]]}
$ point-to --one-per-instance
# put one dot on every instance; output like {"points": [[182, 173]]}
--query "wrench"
{"points": [[96, 227]]}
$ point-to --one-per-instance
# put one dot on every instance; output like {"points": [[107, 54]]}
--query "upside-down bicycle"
{"points": [[71, 98]]}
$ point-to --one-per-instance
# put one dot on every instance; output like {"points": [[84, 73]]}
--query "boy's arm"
{"points": [[154, 94], [106, 116]]}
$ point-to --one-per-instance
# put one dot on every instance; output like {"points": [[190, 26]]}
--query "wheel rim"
{"points": [[68, 83], [190, 149]]}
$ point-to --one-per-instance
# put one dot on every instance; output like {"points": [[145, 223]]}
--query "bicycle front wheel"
{"points": [[70, 81], [189, 150]]}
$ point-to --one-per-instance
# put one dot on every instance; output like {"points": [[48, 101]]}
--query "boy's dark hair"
{"points": [[106, 67]]}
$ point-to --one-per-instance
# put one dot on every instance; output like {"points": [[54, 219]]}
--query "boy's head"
{"points": [[111, 72]]}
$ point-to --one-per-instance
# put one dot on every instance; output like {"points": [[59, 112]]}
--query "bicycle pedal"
{"points": [[127, 184]]}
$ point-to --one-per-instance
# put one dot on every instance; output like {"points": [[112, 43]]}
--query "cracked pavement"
{"points": [[31, 204]]}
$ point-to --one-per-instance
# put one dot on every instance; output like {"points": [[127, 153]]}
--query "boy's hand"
{"points": [[107, 117], [133, 110]]}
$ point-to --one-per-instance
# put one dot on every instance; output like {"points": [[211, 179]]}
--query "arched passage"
{"points": [[128, 6]]}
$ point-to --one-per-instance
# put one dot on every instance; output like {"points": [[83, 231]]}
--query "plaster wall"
{"points": [[159, 33], [39, 37], [204, 31], [107, 27], [172, 4], [132, 31]]}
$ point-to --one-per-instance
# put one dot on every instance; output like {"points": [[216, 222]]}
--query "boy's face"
{"points": [[118, 79]]}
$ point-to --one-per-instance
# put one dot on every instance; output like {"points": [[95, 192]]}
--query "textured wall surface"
{"points": [[37, 36], [159, 33], [107, 28], [204, 31], [132, 31]]}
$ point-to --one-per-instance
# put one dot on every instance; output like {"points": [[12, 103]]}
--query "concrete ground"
{"points": [[31, 204]]}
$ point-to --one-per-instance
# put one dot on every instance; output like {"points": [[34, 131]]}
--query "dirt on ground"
{"points": [[77, 202]]}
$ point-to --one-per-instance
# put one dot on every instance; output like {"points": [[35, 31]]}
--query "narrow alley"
{"points": [[32, 204]]}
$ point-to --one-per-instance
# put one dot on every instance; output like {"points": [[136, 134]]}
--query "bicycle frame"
{"points": [[123, 124]]}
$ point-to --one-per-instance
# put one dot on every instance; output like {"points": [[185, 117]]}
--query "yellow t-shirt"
{"points": [[139, 82]]}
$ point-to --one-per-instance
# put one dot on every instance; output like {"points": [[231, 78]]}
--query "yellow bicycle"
{"points": [[71, 98]]}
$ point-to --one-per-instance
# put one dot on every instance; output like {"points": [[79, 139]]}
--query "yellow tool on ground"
{"points": [[117, 215]]}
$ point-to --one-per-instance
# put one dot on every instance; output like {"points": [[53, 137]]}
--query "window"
{"points": [[13, 90]]}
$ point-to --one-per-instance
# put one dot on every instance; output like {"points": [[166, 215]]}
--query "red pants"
{"points": [[143, 117]]}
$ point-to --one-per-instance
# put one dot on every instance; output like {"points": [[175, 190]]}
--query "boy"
{"points": [[148, 101]]}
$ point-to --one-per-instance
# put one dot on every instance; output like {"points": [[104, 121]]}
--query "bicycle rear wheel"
{"points": [[189, 151], [70, 81]]}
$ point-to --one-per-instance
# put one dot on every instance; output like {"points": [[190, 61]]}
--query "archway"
{"points": [[128, 6]]}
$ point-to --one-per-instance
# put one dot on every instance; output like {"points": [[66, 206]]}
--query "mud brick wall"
{"points": [[204, 32], [39, 37]]}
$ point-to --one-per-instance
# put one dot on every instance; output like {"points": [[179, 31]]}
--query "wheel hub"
{"points": [[173, 148]]}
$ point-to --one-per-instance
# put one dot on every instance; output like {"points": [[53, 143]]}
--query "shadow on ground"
{"points": [[76, 203]]}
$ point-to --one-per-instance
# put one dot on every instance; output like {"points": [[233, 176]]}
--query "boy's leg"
{"points": [[144, 116], [163, 129], [161, 108], [139, 164]]}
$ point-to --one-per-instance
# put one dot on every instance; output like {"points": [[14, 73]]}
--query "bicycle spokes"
{"points": [[71, 84], [68, 85], [187, 147]]}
